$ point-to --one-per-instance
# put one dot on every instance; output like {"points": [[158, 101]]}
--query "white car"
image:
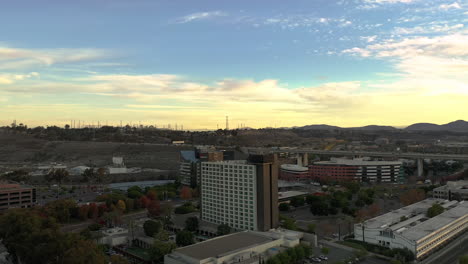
{"points": [[323, 257]]}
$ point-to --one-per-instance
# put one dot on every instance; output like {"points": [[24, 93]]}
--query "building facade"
{"points": [[337, 170], [410, 228], [240, 193], [453, 190], [16, 196], [293, 172]]}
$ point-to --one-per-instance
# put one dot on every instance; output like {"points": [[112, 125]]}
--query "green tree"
{"points": [[223, 229], [311, 228], [134, 192], [463, 259], [191, 224], [57, 175], [184, 238], [84, 251], [297, 201], [325, 250], [284, 207], [159, 249], [299, 252], [435, 209], [152, 227]]}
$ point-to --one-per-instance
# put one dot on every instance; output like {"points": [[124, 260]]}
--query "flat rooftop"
{"points": [[411, 221], [223, 245], [289, 194], [435, 223], [393, 218]]}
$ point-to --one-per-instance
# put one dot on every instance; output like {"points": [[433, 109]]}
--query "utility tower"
{"points": [[227, 122]]}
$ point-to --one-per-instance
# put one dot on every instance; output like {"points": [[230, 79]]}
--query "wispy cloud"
{"points": [[199, 16], [454, 5], [17, 58]]}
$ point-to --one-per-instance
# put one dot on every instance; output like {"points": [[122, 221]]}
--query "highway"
{"points": [[408, 155]]}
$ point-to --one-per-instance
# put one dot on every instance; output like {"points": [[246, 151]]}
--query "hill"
{"points": [[456, 126]]}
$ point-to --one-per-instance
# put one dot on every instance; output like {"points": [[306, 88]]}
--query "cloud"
{"points": [[429, 29], [370, 4], [16, 58], [199, 16], [454, 5], [369, 38], [12, 78]]}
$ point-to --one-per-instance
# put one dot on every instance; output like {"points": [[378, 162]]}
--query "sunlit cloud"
{"points": [[199, 16]]}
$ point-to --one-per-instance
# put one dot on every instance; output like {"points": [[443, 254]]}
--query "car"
{"points": [[316, 260], [323, 257]]}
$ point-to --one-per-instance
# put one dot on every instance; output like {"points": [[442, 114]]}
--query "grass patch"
{"points": [[140, 252]]}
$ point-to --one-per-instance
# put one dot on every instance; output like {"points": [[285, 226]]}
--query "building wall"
{"points": [[15, 196], [360, 173], [228, 194]]}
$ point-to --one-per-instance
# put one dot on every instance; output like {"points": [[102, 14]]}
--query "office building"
{"points": [[453, 190], [241, 193], [243, 247], [190, 167], [294, 172], [360, 170], [410, 228], [16, 196]]}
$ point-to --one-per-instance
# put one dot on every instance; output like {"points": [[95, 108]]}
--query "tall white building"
{"points": [[239, 193], [410, 228]]}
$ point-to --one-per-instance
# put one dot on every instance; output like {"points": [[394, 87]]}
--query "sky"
{"points": [[263, 63]]}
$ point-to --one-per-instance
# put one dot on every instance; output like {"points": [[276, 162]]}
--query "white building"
{"points": [[228, 194], [242, 194], [243, 247], [410, 228], [454, 190], [114, 236]]}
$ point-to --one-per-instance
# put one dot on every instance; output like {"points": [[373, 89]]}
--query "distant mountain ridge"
{"points": [[456, 126]]}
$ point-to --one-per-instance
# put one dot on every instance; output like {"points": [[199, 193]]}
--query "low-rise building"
{"points": [[409, 227], [14, 195], [114, 236], [246, 247], [453, 190]]}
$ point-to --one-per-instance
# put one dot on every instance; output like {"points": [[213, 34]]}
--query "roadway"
{"points": [[408, 155]]}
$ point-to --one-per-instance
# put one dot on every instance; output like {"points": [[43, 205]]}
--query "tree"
{"points": [[184, 238], [284, 207], [159, 250], [325, 250], [84, 251], [435, 209], [88, 175], [191, 224], [463, 259], [83, 212], [186, 193], [154, 209], [144, 201], [60, 210], [134, 192], [57, 175], [93, 211], [412, 196], [151, 227], [152, 195], [121, 206], [116, 259], [311, 228], [163, 235], [297, 201], [319, 208], [223, 229]]}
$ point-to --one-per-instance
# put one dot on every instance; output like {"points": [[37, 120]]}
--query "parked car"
{"points": [[323, 257]]}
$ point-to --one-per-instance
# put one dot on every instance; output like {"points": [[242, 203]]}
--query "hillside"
{"points": [[456, 126]]}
